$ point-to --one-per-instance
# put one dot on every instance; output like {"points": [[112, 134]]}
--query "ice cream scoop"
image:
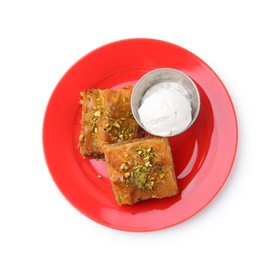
{"points": [[165, 102], [165, 109]]}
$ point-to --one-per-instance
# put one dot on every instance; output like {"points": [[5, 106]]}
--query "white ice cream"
{"points": [[165, 109]]}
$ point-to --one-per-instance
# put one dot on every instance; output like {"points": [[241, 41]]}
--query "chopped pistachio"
{"points": [[149, 185], [116, 124], [122, 179], [97, 113], [123, 167], [126, 174], [95, 130], [144, 172], [148, 164], [81, 137], [109, 129]]}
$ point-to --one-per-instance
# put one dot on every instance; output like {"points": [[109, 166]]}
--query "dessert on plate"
{"points": [[106, 119], [141, 169]]}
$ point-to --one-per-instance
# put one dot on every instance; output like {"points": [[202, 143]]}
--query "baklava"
{"points": [[106, 119], [141, 169]]}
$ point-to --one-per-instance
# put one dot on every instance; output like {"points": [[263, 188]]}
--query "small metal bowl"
{"points": [[165, 75]]}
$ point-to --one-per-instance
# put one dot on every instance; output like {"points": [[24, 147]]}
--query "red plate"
{"points": [[203, 156]]}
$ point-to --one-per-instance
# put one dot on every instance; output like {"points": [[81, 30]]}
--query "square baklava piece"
{"points": [[141, 169], [106, 119]]}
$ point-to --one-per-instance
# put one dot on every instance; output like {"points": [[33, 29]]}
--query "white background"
{"points": [[40, 40]]}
